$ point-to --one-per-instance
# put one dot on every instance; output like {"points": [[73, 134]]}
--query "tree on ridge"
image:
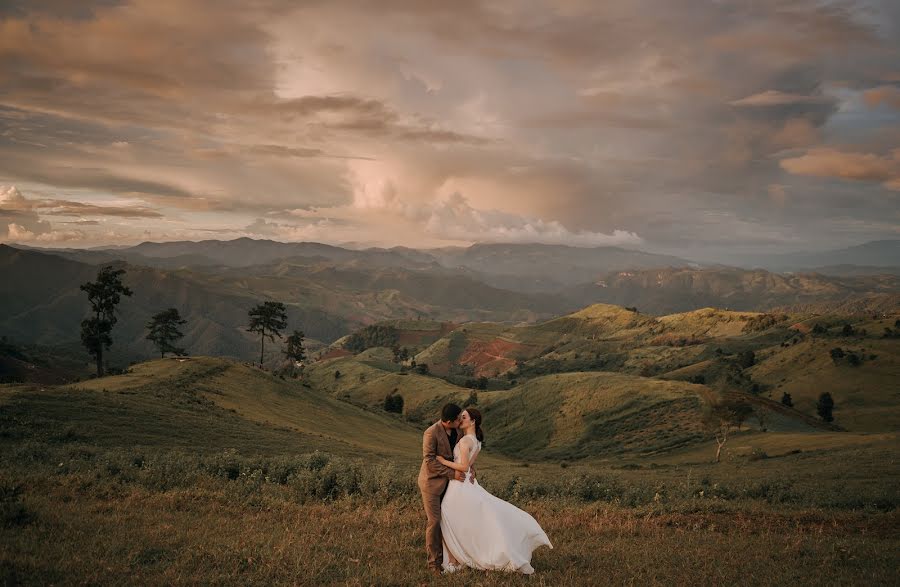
{"points": [[104, 295], [163, 331], [268, 319]]}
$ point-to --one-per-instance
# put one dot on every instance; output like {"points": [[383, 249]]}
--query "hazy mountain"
{"points": [[882, 253], [42, 303], [537, 267], [663, 291]]}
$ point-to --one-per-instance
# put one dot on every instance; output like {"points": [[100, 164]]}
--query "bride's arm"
{"points": [[463, 464]]}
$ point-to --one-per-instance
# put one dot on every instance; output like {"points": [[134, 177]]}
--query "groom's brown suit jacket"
{"points": [[433, 476]]}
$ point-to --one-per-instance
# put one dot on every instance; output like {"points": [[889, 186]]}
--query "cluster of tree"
{"points": [[393, 402], [401, 355], [164, 328], [763, 321], [372, 336], [480, 383], [839, 355]]}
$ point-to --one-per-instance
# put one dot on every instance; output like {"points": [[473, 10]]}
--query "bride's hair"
{"points": [[476, 417]]}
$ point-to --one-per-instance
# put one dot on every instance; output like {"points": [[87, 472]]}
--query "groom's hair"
{"points": [[450, 412]]}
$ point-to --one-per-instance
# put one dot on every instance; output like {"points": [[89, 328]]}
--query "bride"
{"points": [[480, 530]]}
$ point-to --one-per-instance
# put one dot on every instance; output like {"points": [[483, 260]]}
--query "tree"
{"points": [[482, 383], [104, 295], [837, 353], [293, 347], [294, 355], [824, 407], [393, 402], [787, 400], [472, 400], [847, 330], [268, 319], [719, 418], [163, 331]]}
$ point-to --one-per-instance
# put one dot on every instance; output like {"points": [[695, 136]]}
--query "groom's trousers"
{"points": [[433, 539]]}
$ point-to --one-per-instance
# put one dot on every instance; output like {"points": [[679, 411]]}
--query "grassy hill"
{"points": [[204, 404], [707, 353]]}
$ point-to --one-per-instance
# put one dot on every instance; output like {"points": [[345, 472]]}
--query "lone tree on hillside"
{"points": [[268, 319], [295, 353], [103, 295], [787, 400], [163, 331], [824, 407], [293, 347], [721, 417]]}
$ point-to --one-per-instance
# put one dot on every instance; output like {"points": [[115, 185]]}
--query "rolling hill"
{"points": [[608, 380]]}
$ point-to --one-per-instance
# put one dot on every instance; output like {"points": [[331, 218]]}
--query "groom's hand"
{"points": [[460, 476]]}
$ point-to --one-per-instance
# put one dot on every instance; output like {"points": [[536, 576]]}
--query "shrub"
{"points": [[393, 402], [824, 407]]}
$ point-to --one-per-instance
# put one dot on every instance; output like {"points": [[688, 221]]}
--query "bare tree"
{"points": [[720, 417]]}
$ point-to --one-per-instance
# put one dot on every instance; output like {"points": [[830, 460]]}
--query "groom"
{"points": [[439, 439]]}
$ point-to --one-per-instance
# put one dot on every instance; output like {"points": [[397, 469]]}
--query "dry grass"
{"points": [[209, 535]]}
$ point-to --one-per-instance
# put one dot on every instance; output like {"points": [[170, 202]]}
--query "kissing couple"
{"points": [[467, 526]]}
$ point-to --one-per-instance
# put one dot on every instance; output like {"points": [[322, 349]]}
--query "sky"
{"points": [[705, 129]]}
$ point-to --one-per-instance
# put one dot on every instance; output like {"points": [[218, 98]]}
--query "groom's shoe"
{"points": [[434, 570]]}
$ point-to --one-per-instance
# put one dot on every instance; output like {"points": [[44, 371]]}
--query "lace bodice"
{"points": [[474, 448]]}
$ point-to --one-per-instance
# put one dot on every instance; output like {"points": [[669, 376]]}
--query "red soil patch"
{"points": [[801, 328], [491, 358]]}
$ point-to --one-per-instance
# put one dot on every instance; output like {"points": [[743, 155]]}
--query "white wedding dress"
{"points": [[483, 531]]}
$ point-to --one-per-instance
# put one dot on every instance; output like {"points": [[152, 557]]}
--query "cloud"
{"points": [[18, 233], [886, 95], [565, 121], [831, 163], [777, 98], [453, 218]]}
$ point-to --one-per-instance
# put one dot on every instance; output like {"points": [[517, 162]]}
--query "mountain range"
{"points": [[331, 291]]}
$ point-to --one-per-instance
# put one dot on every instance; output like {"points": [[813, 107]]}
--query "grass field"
{"points": [[209, 471]]}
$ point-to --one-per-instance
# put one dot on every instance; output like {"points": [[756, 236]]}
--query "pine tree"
{"points": [[163, 331], [293, 348], [268, 319]]}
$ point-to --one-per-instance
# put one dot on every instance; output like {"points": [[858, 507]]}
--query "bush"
{"points": [[393, 402], [824, 407]]}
